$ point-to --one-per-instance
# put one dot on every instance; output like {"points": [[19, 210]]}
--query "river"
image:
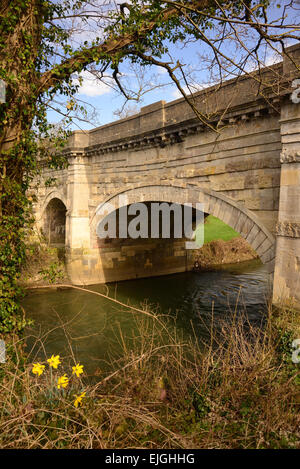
{"points": [[94, 325]]}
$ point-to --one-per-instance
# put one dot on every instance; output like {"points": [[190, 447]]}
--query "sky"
{"points": [[102, 101]]}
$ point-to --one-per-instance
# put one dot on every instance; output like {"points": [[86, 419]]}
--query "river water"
{"points": [[93, 326]]}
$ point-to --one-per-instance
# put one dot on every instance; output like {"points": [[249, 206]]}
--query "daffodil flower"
{"points": [[62, 382], [54, 361], [37, 369], [77, 370], [78, 399]]}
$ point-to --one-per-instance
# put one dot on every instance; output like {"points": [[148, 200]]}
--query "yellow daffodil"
{"points": [[78, 399], [54, 361], [62, 382], [37, 369], [77, 370]]}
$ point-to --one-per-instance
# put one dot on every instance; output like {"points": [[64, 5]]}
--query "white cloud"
{"points": [[193, 88], [161, 70], [273, 58], [92, 86], [270, 58]]}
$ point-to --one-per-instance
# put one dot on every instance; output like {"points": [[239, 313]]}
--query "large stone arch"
{"points": [[230, 212]]}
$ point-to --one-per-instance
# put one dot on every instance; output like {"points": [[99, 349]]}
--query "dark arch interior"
{"points": [[115, 215], [55, 222]]}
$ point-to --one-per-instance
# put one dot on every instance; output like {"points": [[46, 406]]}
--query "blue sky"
{"points": [[102, 101]]}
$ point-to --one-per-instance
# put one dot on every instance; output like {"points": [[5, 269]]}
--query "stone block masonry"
{"points": [[248, 175]]}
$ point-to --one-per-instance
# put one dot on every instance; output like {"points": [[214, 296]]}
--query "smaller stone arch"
{"points": [[54, 194], [53, 223]]}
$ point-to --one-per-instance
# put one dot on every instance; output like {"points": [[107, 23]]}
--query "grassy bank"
{"points": [[222, 245], [240, 390], [215, 229], [219, 252]]}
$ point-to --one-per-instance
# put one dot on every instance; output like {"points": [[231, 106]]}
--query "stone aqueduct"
{"points": [[248, 175]]}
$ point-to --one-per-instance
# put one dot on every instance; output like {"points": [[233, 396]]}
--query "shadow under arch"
{"points": [[227, 210], [54, 222]]}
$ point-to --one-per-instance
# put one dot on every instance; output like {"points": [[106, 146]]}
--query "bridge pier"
{"points": [[78, 240], [78, 231], [287, 260], [287, 265]]}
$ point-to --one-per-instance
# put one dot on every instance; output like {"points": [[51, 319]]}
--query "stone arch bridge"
{"points": [[247, 175]]}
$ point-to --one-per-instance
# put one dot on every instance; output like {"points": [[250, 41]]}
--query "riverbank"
{"points": [[220, 252], [46, 265], [162, 392], [222, 245]]}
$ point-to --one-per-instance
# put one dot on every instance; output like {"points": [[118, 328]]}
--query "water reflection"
{"points": [[94, 326]]}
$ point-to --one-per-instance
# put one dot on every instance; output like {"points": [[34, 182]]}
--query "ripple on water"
{"points": [[93, 323]]}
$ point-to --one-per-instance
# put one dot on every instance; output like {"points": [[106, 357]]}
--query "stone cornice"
{"points": [[177, 133], [288, 229]]}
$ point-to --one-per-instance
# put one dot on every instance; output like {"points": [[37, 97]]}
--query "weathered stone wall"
{"points": [[242, 163], [287, 268]]}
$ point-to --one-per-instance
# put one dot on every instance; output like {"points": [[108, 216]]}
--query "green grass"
{"points": [[216, 229]]}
